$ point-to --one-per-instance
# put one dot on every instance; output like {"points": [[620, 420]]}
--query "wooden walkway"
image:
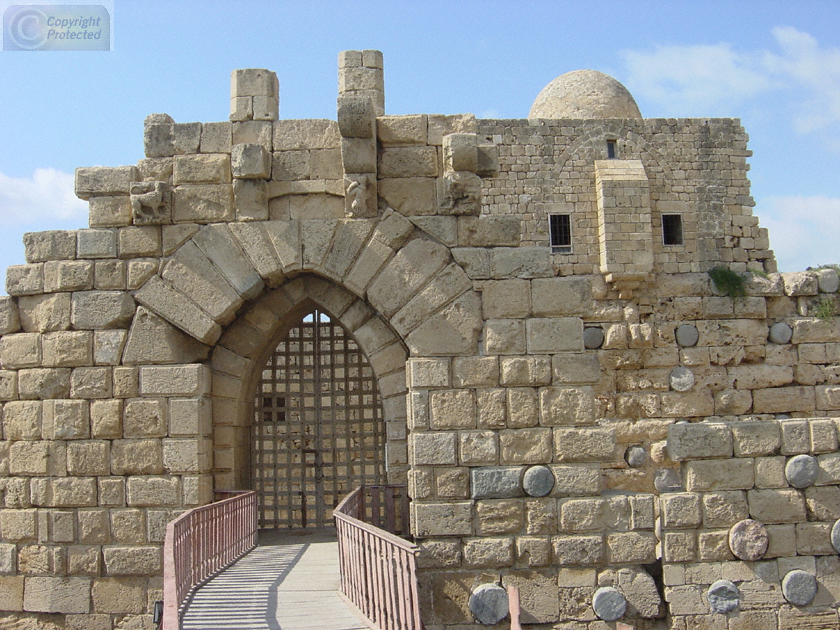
{"points": [[289, 582]]}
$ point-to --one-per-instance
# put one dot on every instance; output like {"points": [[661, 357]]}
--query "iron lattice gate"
{"points": [[318, 430]]}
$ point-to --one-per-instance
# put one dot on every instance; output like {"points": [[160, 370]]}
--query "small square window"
{"points": [[672, 232], [560, 233], [612, 153]]}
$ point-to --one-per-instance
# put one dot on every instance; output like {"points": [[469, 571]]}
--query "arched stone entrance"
{"points": [[318, 429]]}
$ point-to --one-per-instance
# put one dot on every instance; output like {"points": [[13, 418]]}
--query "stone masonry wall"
{"points": [[591, 427]]}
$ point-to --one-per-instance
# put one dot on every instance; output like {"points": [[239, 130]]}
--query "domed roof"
{"points": [[584, 94]]}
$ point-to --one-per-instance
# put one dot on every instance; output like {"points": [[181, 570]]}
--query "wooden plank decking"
{"points": [[285, 583]]}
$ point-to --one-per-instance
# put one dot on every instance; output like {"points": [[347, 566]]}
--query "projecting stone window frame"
{"points": [[560, 233], [672, 230], [612, 149]]}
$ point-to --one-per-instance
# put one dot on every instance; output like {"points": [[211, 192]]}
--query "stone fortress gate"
{"points": [[514, 317]]}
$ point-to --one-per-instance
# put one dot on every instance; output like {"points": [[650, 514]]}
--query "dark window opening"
{"points": [[611, 149], [672, 232], [560, 232]]}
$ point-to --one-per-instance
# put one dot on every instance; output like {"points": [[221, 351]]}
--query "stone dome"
{"points": [[584, 94]]}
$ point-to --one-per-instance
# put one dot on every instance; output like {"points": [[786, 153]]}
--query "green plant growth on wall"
{"points": [[826, 307], [728, 282]]}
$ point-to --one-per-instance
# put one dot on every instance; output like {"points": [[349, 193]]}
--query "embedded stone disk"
{"points": [[780, 332], [687, 335], [584, 94], [799, 587], [748, 540], [538, 481], [681, 379], [593, 337], [635, 456], [489, 603], [835, 536], [828, 280], [723, 597], [608, 603], [801, 471], [667, 480]]}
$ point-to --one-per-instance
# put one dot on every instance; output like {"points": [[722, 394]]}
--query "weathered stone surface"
{"points": [[96, 181], [681, 379], [163, 299], [443, 519], [57, 595], [496, 482], [608, 603], [748, 540], [584, 445], [799, 587], [96, 310], [699, 440], [723, 597], [777, 506], [635, 456], [250, 161], [152, 339]]}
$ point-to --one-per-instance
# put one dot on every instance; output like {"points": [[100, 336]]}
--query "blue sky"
{"points": [[774, 65]]}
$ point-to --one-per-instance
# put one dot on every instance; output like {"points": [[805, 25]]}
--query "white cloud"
{"points": [[48, 194], [803, 230], [715, 79]]}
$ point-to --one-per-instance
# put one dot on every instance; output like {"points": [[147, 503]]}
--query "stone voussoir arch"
{"points": [[406, 276]]}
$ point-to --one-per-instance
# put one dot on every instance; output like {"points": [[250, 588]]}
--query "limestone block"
{"points": [[211, 168], [254, 82], [584, 445], [152, 339], [114, 595], [442, 519], [96, 243], [506, 299], [203, 203], [145, 418], [187, 455], [11, 593], [408, 162], [67, 349], [107, 346], [64, 492], [37, 458], [96, 310], [326, 164], [24, 279], [135, 560], [19, 525], [163, 299], [291, 135], [252, 132], [578, 550], [524, 371], [139, 241], [432, 449], [103, 181], [153, 491], [777, 506], [49, 245], [358, 155], [192, 273], [175, 380], [110, 211], [219, 245], [827, 397], [136, 457], [679, 547], [440, 125], [504, 336], [523, 410], [66, 419], [631, 547], [814, 330], [520, 262], [722, 509], [732, 474], [186, 137], [460, 152], [579, 479], [525, 446], [795, 437], [69, 275], [478, 448], [552, 297], [22, 420], [411, 196], [567, 406], [760, 376], [681, 509], [454, 330], [402, 130], [583, 514], [533, 551], [91, 382], [475, 261], [9, 319], [800, 283], [489, 231], [732, 402], [215, 137], [780, 399], [699, 440], [20, 350], [498, 516], [356, 117], [454, 409], [8, 385], [57, 595], [88, 458], [550, 335]]}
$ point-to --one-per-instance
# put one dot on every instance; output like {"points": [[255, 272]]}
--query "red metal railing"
{"points": [[378, 568], [200, 543]]}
